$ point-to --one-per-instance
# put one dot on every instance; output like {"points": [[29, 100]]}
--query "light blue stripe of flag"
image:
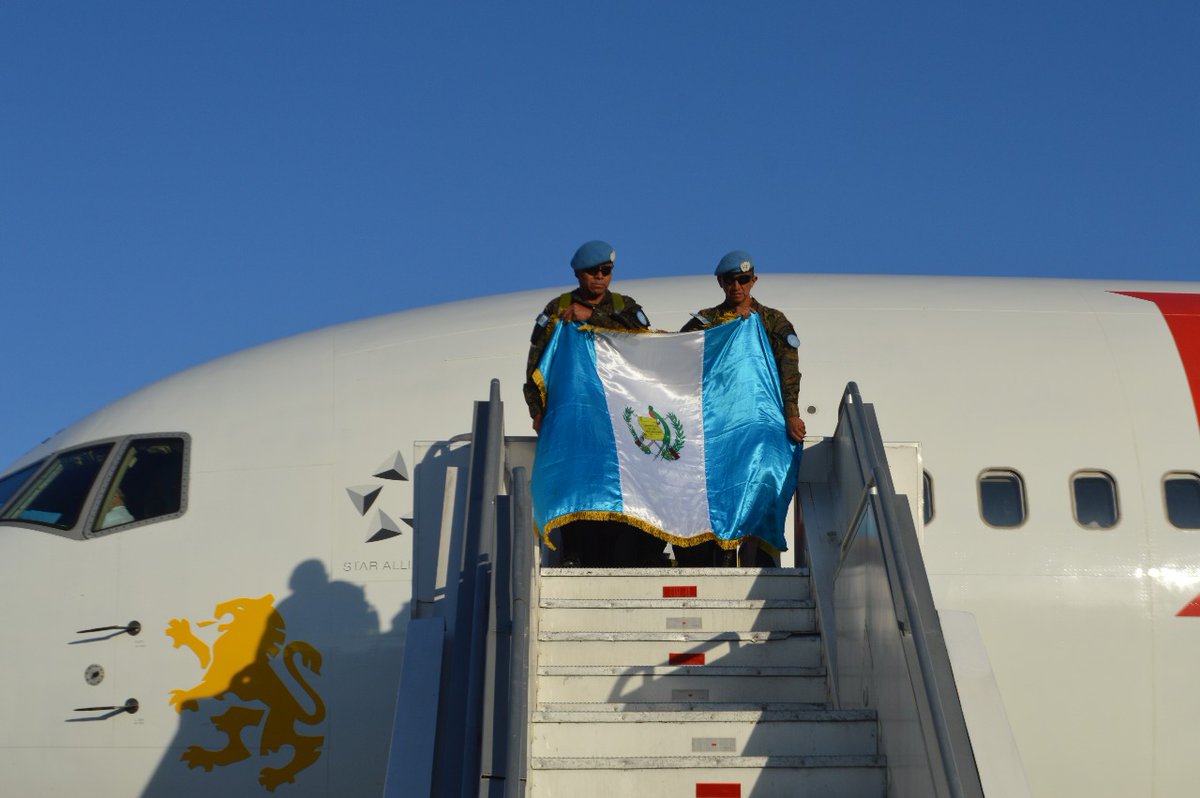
{"points": [[750, 464], [576, 466]]}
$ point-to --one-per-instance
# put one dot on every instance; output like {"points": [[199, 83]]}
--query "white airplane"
{"points": [[209, 581]]}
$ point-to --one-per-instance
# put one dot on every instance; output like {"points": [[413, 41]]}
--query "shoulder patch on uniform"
{"points": [[542, 320], [793, 341], [641, 317]]}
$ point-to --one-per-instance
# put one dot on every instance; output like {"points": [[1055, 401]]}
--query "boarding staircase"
{"points": [[692, 682], [525, 679]]}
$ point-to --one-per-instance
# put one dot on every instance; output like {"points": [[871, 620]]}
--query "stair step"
{"points": [[761, 733], [643, 583], [693, 762], [723, 573], [677, 614], [597, 707], [674, 603], [676, 637], [717, 713], [736, 777], [666, 684], [703, 671], [658, 648]]}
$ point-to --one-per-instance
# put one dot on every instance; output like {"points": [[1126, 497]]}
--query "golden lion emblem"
{"points": [[240, 662]]}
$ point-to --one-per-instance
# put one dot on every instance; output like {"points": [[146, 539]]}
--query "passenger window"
{"points": [[13, 482], [1002, 498], [148, 483], [1181, 491], [928, 490], [1094, 495], [57, 496]]}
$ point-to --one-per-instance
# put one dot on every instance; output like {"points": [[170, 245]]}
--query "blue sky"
{"points": [[183, 180]]}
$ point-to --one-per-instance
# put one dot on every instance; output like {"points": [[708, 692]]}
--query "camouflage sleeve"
{"points": [[537, 343], [782, 336]]}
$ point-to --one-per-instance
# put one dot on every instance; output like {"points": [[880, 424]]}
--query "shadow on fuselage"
{"points": [[293, 697]]}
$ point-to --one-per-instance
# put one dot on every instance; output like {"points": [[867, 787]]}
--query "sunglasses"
{"points": [[599, 271], [740, 279]]}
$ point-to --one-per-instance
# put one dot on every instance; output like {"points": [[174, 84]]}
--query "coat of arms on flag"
{"points": [[655, 436], [679, 434]]}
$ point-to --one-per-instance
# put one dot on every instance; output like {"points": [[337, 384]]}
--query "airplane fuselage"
{"points": [[1035, 383]]}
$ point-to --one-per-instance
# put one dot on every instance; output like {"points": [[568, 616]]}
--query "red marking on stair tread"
{"points": [[718, 790], [679, 591], [686, 658]]}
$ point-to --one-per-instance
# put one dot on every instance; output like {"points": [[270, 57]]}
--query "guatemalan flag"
{"points": [[679, 434]]}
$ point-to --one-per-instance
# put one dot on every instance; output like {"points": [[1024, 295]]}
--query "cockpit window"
{"points": [[13, 482], [148, 483], [56, 498]]}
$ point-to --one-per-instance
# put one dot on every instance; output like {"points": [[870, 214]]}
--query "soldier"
{"points": [[591, 302], [735, 274], [591, 543]]}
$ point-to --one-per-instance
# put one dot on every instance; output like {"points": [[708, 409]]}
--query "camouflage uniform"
{"points": [[778, 330], [604, 314]]}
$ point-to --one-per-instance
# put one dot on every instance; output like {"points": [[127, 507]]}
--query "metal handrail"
{"points": [[479, 555], [478, 703], [518, 690], [945, 710], [464, 682]]}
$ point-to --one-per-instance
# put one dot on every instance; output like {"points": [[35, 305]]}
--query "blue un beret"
{"points": [[736, 261], [593, 253]]}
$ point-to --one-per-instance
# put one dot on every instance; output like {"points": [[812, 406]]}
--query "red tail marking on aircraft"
{"points": [[679, 591], [1191, 610], [686, 658], [718, 790], [1182, 313]]}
